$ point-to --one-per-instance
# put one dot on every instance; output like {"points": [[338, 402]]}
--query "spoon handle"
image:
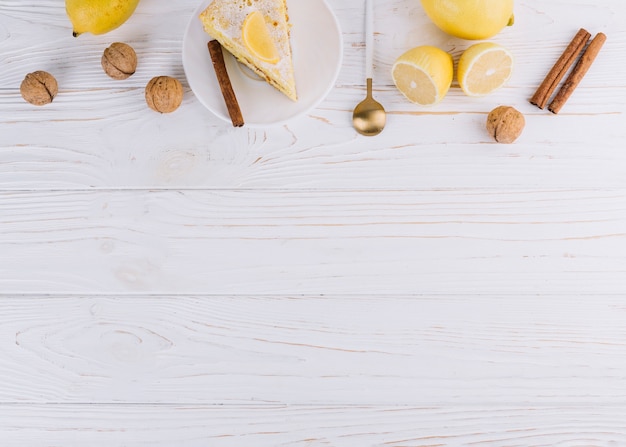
{"points": [[369, 38]]}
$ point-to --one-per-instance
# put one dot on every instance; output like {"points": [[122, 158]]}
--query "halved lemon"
{"points": [[257, 38], [423, 74], [483, 68]]}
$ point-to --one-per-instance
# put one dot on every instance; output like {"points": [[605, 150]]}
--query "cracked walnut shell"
{"points": [[164, 94], [119, 60], [39, 88], [505, 124]]}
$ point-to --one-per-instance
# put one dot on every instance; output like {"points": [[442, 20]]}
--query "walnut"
{"points": [[164, 94], [39, 88], [505, 124], [119, 60]]}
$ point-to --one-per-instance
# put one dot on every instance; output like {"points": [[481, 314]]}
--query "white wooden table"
{"points": [[169, 280]]}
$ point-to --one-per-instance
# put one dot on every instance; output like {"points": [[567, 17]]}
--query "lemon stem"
{"points": [[511, 20]]}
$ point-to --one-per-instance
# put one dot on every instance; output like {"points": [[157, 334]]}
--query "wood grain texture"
{"points": [[312, 426], [156, 30], [431, 350], [100, 133], [282, 241], [111, 139], [172, 281]]}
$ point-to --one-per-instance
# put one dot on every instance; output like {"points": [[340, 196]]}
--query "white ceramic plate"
{"points": [[317, 53]]}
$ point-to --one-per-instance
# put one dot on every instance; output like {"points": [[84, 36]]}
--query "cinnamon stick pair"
{"points": [[562, 65]]}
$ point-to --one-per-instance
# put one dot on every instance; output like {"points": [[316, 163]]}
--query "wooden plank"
{"points": [[80, 142], [156, 31], [310, 426], [431, 350], [333, 241]]}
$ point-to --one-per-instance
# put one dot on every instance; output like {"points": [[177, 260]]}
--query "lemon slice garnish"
{"points": [[257, 38]]}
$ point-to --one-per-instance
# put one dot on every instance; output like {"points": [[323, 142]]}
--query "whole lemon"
{"points": [[98, 16], [470, 19]]}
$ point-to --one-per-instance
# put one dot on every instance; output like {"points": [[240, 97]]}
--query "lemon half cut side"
{"points": [[423, 74], [483, 68]]}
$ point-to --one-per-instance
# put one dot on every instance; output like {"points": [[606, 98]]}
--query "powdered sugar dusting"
{"points": [[225, 18]]}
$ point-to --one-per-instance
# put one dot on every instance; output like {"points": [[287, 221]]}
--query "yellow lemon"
{"points": [[423, 74], [257, 38], [98, 16], [483, 68], [470, 19]]}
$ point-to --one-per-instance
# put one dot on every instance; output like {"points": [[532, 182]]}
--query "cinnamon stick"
{"points": [[577, 74], [565, 61], [217, 57]]}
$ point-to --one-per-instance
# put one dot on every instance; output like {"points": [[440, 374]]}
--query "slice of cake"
{"points": [[256, 32]]}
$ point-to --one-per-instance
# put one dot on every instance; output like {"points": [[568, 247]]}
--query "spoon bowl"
{"points": [[369, 115]]}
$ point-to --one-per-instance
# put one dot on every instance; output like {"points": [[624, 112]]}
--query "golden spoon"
{"points": [[369, 116]]}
